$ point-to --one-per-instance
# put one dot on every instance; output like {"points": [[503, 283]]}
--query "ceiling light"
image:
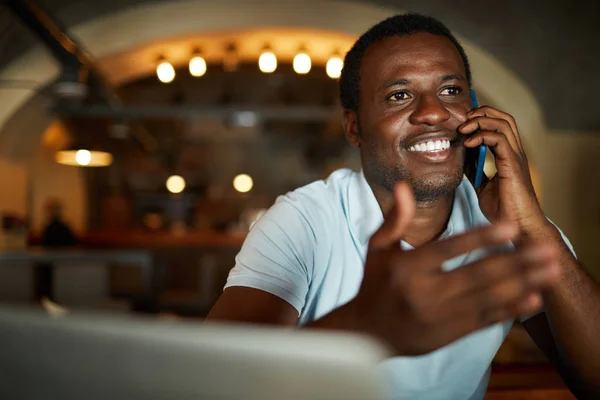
{"points": [[267, 62], [243, 183], [334, 67], [84, 158], [197, 64], [175, 184], [302, 63], [165, 71]]}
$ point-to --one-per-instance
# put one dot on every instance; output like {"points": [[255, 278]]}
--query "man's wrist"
{"points": [[539, 229]]}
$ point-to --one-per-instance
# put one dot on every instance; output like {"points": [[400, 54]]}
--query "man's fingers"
{"points": [[508, 292], [474, 319], [494, 283], [433, 255], [497, 142], [521, 307], [491, 125], [506, 299], [487, 111], [521, 267], [395, 224], [529, 304]]}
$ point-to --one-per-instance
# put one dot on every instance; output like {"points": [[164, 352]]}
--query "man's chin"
{"points": [[434, 189]]}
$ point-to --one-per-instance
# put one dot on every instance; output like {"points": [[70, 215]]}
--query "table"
{"points": [[44, 260]]}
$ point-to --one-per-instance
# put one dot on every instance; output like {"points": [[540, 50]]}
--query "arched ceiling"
{"points": [[551, 46], [132, 64]]}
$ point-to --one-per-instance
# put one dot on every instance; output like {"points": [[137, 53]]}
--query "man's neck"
{"points": [[430, 221]]}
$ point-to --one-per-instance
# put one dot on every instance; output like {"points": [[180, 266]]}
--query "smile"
{"points": [[431, 146], [433, 150]]}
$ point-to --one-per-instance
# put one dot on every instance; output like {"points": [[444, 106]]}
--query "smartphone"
{"points": [[480, 156]]}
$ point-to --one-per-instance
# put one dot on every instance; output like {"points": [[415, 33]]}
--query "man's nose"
{"points": [[430, 111]]}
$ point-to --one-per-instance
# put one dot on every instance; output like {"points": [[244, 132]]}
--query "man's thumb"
{"points": [[395, 223]]}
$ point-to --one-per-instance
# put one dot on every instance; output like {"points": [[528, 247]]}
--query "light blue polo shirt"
{"points": [[309, 249]]}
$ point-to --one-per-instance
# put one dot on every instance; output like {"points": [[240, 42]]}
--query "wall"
{"points": [[13, 181], [15, 282], [65, 183], [571, 183]]}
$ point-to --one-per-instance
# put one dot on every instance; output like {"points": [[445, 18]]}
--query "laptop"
{"points": [[133, 357]]}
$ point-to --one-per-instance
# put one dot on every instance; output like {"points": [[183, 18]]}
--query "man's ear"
{"points": [[351, 128]]}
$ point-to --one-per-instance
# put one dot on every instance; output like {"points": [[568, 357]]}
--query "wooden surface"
{"points": [[525, 377], [533, 382], [530, 394]]}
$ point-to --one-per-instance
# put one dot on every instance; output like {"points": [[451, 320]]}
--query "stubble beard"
{"points": [[428, 190]]}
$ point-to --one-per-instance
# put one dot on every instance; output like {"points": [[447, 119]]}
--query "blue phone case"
{"points": [[480, 161]]}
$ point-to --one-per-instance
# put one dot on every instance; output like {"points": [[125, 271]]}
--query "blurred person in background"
{"points": [[56, 232], [406, 250]]}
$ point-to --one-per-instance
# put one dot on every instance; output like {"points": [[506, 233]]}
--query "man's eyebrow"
{"points": [[403, 82], [394, 82], [452, 77]]}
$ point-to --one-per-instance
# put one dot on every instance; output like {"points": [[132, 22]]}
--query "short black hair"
{"points": [[397, 25]]}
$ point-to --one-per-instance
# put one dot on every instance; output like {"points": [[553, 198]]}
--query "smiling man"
{"points": [[407, 250]]}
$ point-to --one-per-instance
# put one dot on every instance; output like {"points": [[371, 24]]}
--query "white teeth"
{"points": [[431, 145]]}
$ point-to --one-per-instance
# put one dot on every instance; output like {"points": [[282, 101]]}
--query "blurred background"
{"points": [[150, 135]]}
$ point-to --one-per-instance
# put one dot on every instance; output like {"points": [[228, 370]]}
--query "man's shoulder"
{"points": [[308, 214], [321, 198]]}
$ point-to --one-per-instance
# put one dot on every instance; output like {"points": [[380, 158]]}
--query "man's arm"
{"points": [[406, 300], [572, 305], [569, 331], [253, 306], [249, 305]]}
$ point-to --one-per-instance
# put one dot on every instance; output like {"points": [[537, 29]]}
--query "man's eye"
{"points": [[451, 91], [398, 96]]}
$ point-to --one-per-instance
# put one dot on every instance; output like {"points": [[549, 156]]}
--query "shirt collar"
{"points": [[365, 216]]}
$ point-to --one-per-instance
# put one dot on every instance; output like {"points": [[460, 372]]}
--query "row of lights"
{"points": [[242, 183], [267, 63]]}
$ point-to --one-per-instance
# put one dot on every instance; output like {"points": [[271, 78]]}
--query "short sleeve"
{"points": [[565, 239], [278, 254]]}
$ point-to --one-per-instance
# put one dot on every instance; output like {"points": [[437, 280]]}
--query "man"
{"points": [[328, 256]]}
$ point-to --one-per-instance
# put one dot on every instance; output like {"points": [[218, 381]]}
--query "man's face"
{"points": [[413, 96]]}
